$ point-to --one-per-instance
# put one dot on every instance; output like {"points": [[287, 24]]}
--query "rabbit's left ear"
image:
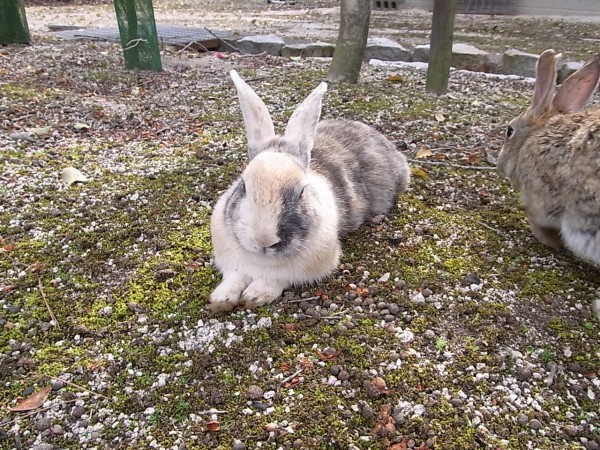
{"points": [[545, 82], [257, 120], [577, 90], [302, 126]]}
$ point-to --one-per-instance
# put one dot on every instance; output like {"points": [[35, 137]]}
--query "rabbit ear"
{"points": [[575, 92], [302, 127], [545, 82], [257, 120]]}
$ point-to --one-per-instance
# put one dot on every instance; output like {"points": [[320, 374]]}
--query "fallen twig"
{"points": [[456, 166], [493, 229], [291, 377], [223, 41], [81, 387], [211, 411], [52, 316], [250, 55], [307, 299], [202, 47]]}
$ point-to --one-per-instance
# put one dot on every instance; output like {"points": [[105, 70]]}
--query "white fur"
{"points": [[243, 269], [253, 273]]}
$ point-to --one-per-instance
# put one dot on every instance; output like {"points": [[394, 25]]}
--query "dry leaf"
{"points": [[213, 425], [328, 354], [385, 425], [474, 158], [362, 292], [34, 401], [36, 267], [423, 153], [8, 248], [380, 384], [403, 445], [9, 325], [292, 383], [440, 156], [418, 172], [439, 116], [395, 78], [70, 175], [7, 288], [289, 326]]}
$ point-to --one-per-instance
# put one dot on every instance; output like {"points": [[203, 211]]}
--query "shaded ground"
{"points": [[478, 338], [312, 20]]}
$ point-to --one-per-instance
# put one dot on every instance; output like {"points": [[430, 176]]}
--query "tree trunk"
{"points": [[351, 42], [440, 48], [13, 22]]}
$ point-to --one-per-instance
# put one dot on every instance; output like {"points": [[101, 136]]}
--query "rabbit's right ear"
{"points": [[576, 91], [545, 82], [257, 120]]}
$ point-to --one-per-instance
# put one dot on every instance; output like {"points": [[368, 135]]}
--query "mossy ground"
{"points": [[123, 262]]}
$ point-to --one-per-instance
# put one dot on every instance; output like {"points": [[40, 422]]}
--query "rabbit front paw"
{"points": [[227, 294], [261, 292]]}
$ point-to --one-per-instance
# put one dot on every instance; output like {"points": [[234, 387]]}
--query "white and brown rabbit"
{"points": [[280, 223], [552, 154]]}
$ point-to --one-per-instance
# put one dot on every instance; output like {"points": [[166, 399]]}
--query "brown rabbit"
{"points": [[552, 154]]}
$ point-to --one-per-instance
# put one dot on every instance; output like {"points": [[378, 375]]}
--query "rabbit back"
{"points": [[364, 168], [559, 178]]}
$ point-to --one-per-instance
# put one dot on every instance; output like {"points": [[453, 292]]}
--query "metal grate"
{"points": [[192, 38], [13, 23]]}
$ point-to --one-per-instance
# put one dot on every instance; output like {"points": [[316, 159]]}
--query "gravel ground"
{"points": [[446, 326]]}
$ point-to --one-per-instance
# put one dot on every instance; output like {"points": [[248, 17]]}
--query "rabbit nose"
{"points": [[266, 242]]}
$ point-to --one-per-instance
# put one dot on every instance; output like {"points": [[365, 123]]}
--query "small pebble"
{"points": [[388, 318], [43, 446], [254, 393], [42, 424], [57, 385], [570, 430], [57, 430], [523, 373], [456, 402], [591, 445], [522, 419], [343, 375], [78, 411], [429, 334], [238, 445], [535, 424], [393, 309]]}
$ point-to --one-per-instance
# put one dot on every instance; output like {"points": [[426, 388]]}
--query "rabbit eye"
{"points": [[301, 193], [509, 131], [242, 187]]}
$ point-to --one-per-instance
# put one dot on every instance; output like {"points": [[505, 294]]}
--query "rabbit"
{"points": [[552, 155], [279, 224]]}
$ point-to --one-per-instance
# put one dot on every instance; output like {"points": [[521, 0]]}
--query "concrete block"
{"points": [[516, 62], [386, 49], [264, 43], [312, 50]]}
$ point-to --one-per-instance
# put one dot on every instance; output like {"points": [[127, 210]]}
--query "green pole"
{"points": [[440, 49]]}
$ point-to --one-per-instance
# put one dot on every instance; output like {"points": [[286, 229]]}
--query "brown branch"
{"points": [[52, 316], [455, 166], [223, 41], [81, 387]]}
